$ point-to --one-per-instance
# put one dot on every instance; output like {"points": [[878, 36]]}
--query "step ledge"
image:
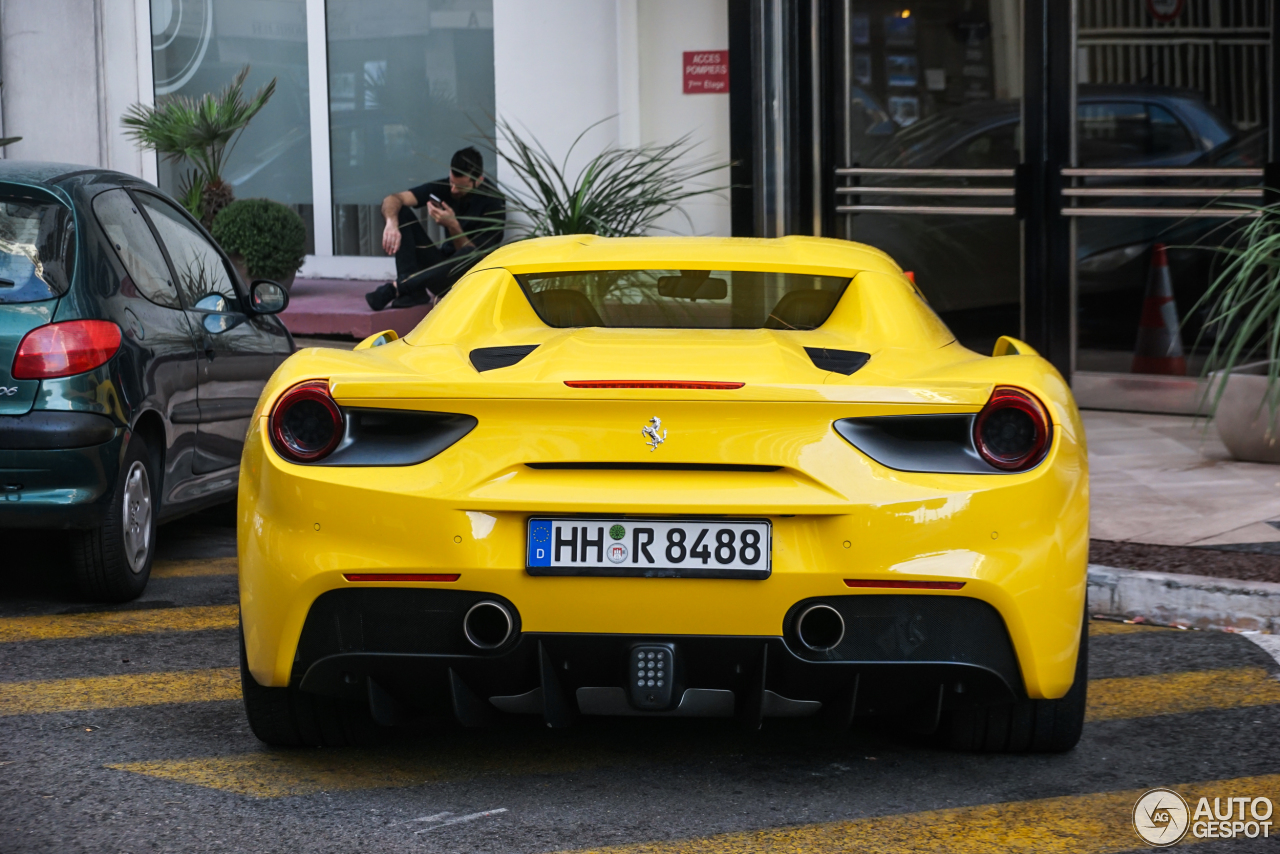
{"points": [[1195, 601]]}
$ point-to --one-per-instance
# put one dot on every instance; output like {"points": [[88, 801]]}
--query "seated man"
{"points": [[472, 217]]}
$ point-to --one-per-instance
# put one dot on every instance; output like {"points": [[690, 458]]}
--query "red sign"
{"points": [[1165, 10], [706, 71]]}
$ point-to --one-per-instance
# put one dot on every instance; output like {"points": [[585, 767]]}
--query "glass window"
{"points": [[37, 248], [1130, 133], [200, 45], [683, 299], [136, 247], [199, 267], [993, 149], [410, 82]]}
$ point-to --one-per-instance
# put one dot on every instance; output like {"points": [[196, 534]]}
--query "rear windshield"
{"points": [[37, 249], [683, 299]]}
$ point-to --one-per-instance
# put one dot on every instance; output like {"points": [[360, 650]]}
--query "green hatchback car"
{"points": [[131, 359]]}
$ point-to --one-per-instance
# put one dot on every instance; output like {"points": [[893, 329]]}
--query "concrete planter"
{"points": [[1243, 419], [237, 259]]}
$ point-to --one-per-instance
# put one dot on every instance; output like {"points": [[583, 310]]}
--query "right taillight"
{"points": [[306, 424], [1012, 430]]}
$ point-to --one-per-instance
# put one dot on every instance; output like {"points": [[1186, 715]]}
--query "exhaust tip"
{"points": [[488, 625], [820, 628]]}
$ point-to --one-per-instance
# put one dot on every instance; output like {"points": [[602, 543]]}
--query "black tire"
{"points": [[112, 562], [1027, 726], [287, 717]]}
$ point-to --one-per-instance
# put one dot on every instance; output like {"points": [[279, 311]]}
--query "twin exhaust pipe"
{"points": [[488, 624], [820, 628]]}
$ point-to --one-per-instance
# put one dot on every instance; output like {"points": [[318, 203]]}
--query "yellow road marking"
{"points": [[286, 773], [1181, 693], [1075, 824], [62, 626], [119, 692], [1099, 628], [195, 568]]}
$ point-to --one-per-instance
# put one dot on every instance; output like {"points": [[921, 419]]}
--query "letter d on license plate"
{"points": [[651, 548]]}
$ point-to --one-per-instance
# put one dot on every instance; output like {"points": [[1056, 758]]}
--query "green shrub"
{"points": [[271, 237]]}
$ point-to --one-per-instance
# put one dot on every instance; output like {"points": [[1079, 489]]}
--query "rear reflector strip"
{"points": [[397, 576], [904, 585], [649, 384]]}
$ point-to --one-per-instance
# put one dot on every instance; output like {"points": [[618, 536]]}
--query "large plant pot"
{"points": [[237, 259], [1243, 419]]}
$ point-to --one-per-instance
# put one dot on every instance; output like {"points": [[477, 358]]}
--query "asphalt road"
{"points": [[121, 731]]}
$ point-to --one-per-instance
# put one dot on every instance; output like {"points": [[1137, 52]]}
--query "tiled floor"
{"points": [[1168, 480]]}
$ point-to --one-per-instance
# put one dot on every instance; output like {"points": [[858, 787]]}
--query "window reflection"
{"points": [[410, 82], [198, 46]]}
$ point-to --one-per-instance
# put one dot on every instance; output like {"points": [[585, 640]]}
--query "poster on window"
{"points": [[900, 30], [860, 29], [862, 68], [901, 70], [905, 110]]}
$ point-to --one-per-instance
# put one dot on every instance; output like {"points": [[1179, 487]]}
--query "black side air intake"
{"points": [[396, 437], [837, 361], [489, 358]]}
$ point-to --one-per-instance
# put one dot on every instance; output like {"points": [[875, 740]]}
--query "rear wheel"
{"points": [[112, 562], [1027, 726], [287, 717]]}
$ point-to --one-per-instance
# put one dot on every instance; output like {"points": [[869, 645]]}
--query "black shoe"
{"points": [[378, 299]]}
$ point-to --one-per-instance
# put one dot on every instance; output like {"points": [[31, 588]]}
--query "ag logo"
{"points": [[1161, 817], [8, 390]]}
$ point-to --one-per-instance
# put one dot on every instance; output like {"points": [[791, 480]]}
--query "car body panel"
{"points": [[1018, 541], [150, 385]]}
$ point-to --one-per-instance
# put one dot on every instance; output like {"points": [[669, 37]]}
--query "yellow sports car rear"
{"points": [[681, 477]]}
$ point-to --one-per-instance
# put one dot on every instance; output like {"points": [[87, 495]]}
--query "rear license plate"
{"points": [[651, 548]]}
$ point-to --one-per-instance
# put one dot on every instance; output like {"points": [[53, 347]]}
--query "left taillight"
{"points": [[66, 348], [306, 424], [1012, 431]]}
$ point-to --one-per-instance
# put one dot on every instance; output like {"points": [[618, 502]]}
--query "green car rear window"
{"points": [[37, 248], [683, 299]]}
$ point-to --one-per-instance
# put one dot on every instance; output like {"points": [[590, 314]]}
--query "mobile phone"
{"points": [[433, 197]]}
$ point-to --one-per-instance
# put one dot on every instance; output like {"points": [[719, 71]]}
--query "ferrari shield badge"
{"points": [[653, 433]]}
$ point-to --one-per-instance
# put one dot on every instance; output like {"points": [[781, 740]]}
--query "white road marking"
{"points": [[460, 819], [1270, 643]]}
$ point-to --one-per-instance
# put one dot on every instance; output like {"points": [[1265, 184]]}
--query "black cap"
{"points": [[468, 162]]}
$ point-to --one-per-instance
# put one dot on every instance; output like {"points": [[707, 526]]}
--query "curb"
{"points": [[1194, 601]]}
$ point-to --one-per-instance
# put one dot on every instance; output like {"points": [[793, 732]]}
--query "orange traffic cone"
{"points": [[1159, 349]]}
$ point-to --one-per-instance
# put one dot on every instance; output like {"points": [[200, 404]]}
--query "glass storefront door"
{"points": [[929, 123], [1170, 138]]}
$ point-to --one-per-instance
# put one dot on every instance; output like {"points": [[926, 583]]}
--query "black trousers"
{"points": [[424, 270]]}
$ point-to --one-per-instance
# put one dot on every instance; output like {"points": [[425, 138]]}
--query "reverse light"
{"points": [[1011, 432], [66, 348], [696, 384], [306, 424]]}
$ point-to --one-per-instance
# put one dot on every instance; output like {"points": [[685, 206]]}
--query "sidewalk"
{"points": [[1167, 480]]}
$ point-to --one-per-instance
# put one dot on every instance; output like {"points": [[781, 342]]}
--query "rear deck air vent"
{"points": [[837, 361], [488, 358]]}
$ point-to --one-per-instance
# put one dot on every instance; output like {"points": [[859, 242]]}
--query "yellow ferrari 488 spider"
{"points": [[686, 477]]}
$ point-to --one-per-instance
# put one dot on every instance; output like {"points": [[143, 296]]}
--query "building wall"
{"points": [[620, 64], [70, 70]]}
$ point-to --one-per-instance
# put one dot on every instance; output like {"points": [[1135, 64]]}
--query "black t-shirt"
{"points": [[481, 213]]}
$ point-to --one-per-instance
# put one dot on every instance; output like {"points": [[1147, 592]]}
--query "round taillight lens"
{"points": [[306, 424], [1012, 430]]}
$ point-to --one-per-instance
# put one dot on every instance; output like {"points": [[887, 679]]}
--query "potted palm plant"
{"points": [[202, 131], [1243, 311]]}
